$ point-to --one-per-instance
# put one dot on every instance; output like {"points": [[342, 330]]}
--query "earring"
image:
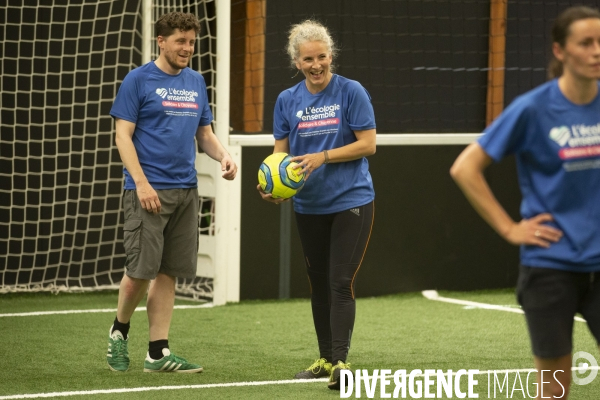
{"points": [[297, 72]]}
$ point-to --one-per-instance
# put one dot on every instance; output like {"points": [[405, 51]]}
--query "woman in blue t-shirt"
{"points": [[328, 122], [554, 133]]}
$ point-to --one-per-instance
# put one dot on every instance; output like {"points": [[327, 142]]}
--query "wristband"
{"points": [[326, 156]]}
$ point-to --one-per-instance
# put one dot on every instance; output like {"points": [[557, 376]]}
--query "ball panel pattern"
{"points": [[277, 176]]}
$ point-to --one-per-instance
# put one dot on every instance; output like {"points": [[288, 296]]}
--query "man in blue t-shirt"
{"points": [[161, 107]]}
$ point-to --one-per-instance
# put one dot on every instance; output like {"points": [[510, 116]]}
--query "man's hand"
{"points": [[148, 197], [228, 167]]}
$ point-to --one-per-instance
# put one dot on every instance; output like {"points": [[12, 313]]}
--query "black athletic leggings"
{"points": [[334, 246]]}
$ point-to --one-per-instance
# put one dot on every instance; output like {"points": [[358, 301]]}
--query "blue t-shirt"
{"points": [[557, 147], [167, 111], [325, 121]]}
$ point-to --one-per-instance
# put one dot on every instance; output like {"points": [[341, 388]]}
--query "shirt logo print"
{"points": [[162, 92], [560, 135]]}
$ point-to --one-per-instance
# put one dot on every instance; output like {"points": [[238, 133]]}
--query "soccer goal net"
{"points": [[60, 174]]}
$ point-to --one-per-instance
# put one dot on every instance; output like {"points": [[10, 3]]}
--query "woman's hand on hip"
{"points": [[534, 232]]}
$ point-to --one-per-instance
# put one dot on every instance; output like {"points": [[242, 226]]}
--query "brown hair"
{"points": [[562, 29], [167, 23]]}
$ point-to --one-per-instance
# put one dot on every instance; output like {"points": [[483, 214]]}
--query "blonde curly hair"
{"points": [[308, 31]]}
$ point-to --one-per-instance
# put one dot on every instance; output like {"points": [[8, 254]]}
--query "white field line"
{"points": [[232, 384], [99, 310], [433, 295], [155, 388]]}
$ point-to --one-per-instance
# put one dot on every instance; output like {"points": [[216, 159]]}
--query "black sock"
{"points": [[121, 327], [155, 348]]}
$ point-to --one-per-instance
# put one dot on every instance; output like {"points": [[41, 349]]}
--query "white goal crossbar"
{"points": [[383, 139]]}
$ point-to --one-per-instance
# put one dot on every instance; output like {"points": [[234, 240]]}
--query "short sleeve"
{"points": [[359, 112], [127, 102], [281, 125], [207, 117], [507, 134]]}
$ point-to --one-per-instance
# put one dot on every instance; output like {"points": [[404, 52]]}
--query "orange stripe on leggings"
{"points": [[363, 255], [308, 276]]}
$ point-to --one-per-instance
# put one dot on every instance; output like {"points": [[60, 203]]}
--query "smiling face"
{"points": [[314, 60], [176, 50], [581, 53]]}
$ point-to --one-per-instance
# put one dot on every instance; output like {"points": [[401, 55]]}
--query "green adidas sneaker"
{"points": [[170, 363], [319, 369], [334, 379], [117, 356]]}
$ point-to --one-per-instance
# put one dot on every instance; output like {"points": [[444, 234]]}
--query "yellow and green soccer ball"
{"points": [[277, 176]]}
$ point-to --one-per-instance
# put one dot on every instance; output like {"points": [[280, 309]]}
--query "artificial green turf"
{"points": [[260, 341]]}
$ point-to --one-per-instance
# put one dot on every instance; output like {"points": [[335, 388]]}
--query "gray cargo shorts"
{"points": [[166, 242]]}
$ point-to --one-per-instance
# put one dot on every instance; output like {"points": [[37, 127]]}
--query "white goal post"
{"points": [[228, 195]]}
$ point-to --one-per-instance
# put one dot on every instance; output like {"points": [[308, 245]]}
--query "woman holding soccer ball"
{"points": [[327, 121], [554, 133]]}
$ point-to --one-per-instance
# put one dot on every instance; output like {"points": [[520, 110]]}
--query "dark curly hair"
{"points": [[167, 23]]}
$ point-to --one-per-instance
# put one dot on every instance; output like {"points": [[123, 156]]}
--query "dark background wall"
{"points": [[425, 235], [424, 64]]}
